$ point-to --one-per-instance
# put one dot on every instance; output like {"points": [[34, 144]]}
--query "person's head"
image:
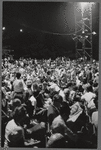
{"points": [[66, 92], [69, 85], [80, 88], [75, 88], [65, 110], [18, 75], [29, 83], [89, 88], [95, 84], [16, 103], [20, 115], [45, 85], [35, 89], [57, 100]]}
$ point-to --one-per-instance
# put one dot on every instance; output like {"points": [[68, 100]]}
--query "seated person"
{"points": [[14, 131], [53, 109], [59, 124]]}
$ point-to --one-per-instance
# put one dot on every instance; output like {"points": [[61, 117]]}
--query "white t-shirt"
{"points": [[13, 132], [89, 97]]}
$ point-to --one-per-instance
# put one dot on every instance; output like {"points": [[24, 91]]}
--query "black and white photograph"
{"points": [[50, 74]]}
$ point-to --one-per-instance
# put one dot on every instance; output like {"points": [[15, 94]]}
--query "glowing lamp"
{"points": [[21, 30], [83, 5], [94, 33], [86, 36], [3, 28]]}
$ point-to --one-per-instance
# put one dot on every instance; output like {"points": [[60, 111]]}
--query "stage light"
{"points": [[83, 32], [85, 6], [3, 28], [94, 33], [86, 30], [86, 36], [21, 30]]}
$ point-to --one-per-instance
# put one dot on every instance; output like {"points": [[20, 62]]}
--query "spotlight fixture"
{"points": [[3, 28]]}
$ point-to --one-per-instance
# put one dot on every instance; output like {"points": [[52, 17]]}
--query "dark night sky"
{"points": [[43, 17], [49, 16]]}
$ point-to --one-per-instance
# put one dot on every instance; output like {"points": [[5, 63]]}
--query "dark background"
{"points": [[47, 28]]}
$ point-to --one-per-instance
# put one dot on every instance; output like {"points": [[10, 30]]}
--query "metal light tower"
{"points": [[83, 30]]}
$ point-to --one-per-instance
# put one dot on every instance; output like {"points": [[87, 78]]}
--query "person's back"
{"points": [[88, 95], [18, 84]]}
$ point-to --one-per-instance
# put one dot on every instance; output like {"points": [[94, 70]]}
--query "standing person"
{"points": [[17, 80], [89, 74], [29, 85], [18, 87]]}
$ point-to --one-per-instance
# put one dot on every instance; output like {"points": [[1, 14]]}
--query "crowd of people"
{"points": [[49, 103]]}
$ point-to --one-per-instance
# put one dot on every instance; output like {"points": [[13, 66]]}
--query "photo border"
{"points": [[99, 101]]}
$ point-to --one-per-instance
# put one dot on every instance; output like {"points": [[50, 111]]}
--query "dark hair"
{"points": [[80, 88], [95, 84], [75, 88], [35, 86], [19, 113], [18, 75], [69, 84], [16, 103], [64, 109], [89, 88], [57, 98]]}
